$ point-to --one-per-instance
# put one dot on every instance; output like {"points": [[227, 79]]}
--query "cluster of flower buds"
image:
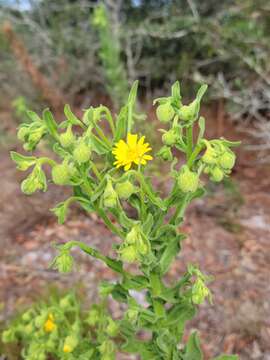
{"points": [[218, 159], [135, 245], [107, 350]]}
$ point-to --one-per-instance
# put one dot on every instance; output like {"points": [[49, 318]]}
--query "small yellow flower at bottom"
{"points": [[49, 325], [131, 151], [67, 349]]}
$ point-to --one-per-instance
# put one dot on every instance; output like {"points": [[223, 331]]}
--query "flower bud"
{"points": [[67, 138], [8, 336], [132, 315], [109, 196], [65, 302], [22, 133], [170, 137], [125, 189], [82, 153], [27, 316], [188, 181], [132, 236], [107, 350], [209, 157], [63, 262], [227, 160], [165, 153], [112, 328], [50, 325], [165, 112], [187, 112], [217, 174], [200, 291], [142, 246], [29, 329], [60, 174], [70, 343], [93, 316], [128, 253], [35, 181]]}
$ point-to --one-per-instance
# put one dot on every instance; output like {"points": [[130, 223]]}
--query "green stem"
{"points": [[109, 119], [189, 141], [96, 171], [109, 224], [193, 156], [113, 264]]}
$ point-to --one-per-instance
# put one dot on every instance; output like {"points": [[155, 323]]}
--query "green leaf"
{"points": [[72, 118], [99, 146], [50, 122], [133, 93], [121, 124], [137, 282], [176, 92], [202, 128], [33, 116], [230, 143], [148, 224], [201, 92], [169, 254], [193, 350], [22, 162]]}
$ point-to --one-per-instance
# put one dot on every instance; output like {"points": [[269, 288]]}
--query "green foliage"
{"points": [[150, 239], [61, 329]]}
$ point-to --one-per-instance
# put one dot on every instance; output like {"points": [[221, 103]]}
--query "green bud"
{"points": [[142, 247], [227, 160], [165, 153], [63, 262], [40, 320], [8, 336], [187, 112], [65, 302], [109, 196], [22, 133], [170, 137], [128, 253], [209, 157], [35, 181], [132, 315], [107, 349], [125, 189], [66, 139], [82, 153], [112, 328], [188, 181], [165, 112], [200, 291], [61, 174], [27, 316], [70, 343], [217, 174], [93, 316], [29, 329], [132, 236]]}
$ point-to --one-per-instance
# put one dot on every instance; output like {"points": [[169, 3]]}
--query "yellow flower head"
{"points": [[67, 348], [132, 151], [49, 325]]}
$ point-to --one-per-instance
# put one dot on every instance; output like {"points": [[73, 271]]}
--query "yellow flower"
{"points": [[132, 151], [67, 349], [49, 325]]}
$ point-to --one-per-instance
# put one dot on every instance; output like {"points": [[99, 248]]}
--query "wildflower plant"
{"points": [[61, 329], [108, 174]]}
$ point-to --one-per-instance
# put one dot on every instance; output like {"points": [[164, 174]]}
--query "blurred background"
{"points": [[84, 53]]}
